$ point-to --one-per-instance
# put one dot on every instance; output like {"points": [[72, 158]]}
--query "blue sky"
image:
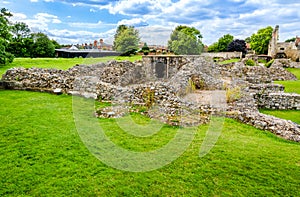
{"points": [[80, 21]]}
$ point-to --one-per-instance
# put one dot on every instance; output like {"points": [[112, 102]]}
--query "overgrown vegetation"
{"points": [[42, 155], [233, 94], [148, 96], [191, 87], [250, 62]]}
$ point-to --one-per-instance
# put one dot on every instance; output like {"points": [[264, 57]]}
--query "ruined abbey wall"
{"points": [[164, 81]]}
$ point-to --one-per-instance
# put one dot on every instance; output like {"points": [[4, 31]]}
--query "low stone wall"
{"points": [[285, 63], [282, 101], [224, 55], [283, 128], [265, 88], [255, 74]]}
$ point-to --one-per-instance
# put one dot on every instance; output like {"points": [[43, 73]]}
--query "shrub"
{"points": [[233, 94], [250, 62], [268, 64], [149, 99], [191, 87]]}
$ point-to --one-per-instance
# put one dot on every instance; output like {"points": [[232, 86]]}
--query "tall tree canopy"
{"points": [[260, 41], [222, 44], [5, 37], [21, 41], [185, 40], [42, 46], [126, 39]]}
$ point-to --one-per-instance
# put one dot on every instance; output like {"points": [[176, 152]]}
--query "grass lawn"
{"points": [[41, 154], [61, 63], [293, 115], [229, 61], [292, 86]]}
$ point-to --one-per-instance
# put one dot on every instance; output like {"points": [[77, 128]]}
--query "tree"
{"points": [[126, 39], [21, 41], [222, 44], [185, 40], [260, 41], [57, 45], [290, 40], [237, 45], [213, 47], [5, 37], [248, 40], [145, 49], [42, 46]]}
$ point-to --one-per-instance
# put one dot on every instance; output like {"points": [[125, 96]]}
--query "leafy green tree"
{"points": [[260, 41], [213, 47], [5, 37], [248, 40], [56, 44], [185, 40], [224, 41], [21, 41], [222, 44], [126, 39], [42, 46]]}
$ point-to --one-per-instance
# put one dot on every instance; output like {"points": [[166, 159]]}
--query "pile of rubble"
{"points": [[173, 100]]}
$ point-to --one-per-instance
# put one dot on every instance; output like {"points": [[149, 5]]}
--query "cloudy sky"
{"points": [[80, 21]]}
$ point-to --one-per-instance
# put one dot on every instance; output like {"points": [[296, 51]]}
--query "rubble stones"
{"points": [[129, 84]]}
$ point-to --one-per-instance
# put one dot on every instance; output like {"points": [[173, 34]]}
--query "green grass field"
{"points": [[61, 63], [43, 155], [229, 61], [293, 115], [292, 86]]}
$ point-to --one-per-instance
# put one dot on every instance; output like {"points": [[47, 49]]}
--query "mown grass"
{"points": [[292, 86], [61, 63], [229, 61], [41, 154], [293, 115]]}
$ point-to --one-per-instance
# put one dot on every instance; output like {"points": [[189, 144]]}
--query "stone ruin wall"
{"points": [[223, 55], [132, 82]]}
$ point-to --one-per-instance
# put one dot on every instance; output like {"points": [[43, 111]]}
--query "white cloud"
{"points": [[18, 17], [66, 36], [240, 18], [133, 22], [34, 1], [155, 34], [86, 25]]}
